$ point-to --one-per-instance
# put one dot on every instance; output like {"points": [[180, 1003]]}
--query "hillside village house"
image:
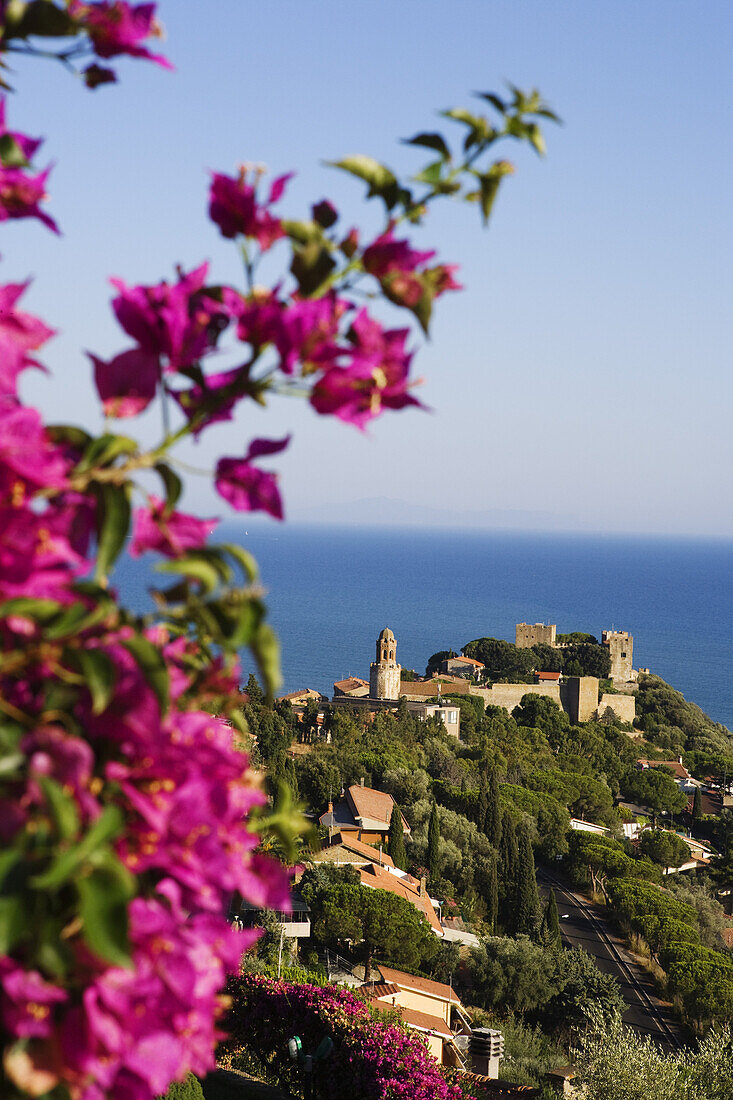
{"points": [[431, 1008], [364, 812]]}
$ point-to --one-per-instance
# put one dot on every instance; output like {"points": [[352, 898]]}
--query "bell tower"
{"points": [[385, 673]]}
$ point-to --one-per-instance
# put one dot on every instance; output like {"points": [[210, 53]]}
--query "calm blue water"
{"points": [[332, 590]]}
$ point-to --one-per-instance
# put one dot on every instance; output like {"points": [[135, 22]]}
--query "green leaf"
{"points": [[68, 433], [152, 665], [42, 19], [494, 100], [489, 186], [248, 618], [113, 522], [100, 675], [311, 266], [377, 175], [245, 559], [14, 925], [27, 607], [302, 231], [103, 898], [62, 806], [266, 650], [103, 450], [171, 483], [107, 826], [11, 154], [8, 860], [430, 141], [198, 569], [431, 174], [460, 114], [68, 622], [536, 138]]}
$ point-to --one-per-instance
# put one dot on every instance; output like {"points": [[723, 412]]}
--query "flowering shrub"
{"points": [[372, 1058], [127, 814]]}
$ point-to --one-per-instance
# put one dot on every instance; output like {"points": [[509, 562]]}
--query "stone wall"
{"points": [[509, 696], [623, 706], [529, 634], [620, 645]]}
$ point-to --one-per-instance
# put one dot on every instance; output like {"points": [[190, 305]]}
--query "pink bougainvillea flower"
{"points": [[27, 1000], [170, 534], [21, 194], [209, 398], [36, 559], [19, 334], [116, 27], [127, 383], [303, 331], [176, 320], [247, 488], [234, 207], [27, 459], [376, 377], [386, 255]]}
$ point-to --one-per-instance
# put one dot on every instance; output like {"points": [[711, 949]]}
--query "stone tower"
{"points": [[620, 645], [385, 673]]}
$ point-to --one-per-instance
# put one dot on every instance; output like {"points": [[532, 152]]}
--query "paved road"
{"points": [[582, 926]]}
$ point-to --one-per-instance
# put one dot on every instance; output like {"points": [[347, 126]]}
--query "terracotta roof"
{"points": [[374, 990], [674, 765], [363, 849], [379, 879], [426, 689], [423, 1022], [420, 985], [299, 695], [350, 683], [548, 675], [375, 805], [468, 661]]}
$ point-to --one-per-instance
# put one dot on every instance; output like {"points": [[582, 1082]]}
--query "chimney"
{"points": [[361, 781], [485, 1049], [679, 759], [330, 807], [422, 890]]}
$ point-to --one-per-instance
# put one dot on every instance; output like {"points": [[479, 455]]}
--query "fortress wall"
{"points": [[510, 695], [623, 706], [529, 634]]}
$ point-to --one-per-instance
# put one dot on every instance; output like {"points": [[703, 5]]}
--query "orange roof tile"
{"points": [[379, 879], [375, 805], [420, 985], [374, 990], [423, 1022], [363, 849], [674, 765], [468, 661], [350, 683], [548, 675]]}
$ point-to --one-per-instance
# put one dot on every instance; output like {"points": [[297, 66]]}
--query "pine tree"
{"points": [[526, 914], [434, 843], [492, 821], [396, 839], [696, 811], [550, 932]]}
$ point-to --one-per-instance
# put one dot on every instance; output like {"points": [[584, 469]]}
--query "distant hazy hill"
{"points": [[385, 512]]}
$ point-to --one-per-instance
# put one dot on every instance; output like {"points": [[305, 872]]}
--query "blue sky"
{"points": [[581, 381]]}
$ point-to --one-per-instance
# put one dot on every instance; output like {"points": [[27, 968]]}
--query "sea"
{"points": [[331, 590]]}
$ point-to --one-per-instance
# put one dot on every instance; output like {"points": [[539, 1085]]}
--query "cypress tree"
{"points": [[696, 810], [482, 803], [551, 923], [396, 839], [492, 821], [434, 843], [492, 895], [527, 898], [508, 858]]}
